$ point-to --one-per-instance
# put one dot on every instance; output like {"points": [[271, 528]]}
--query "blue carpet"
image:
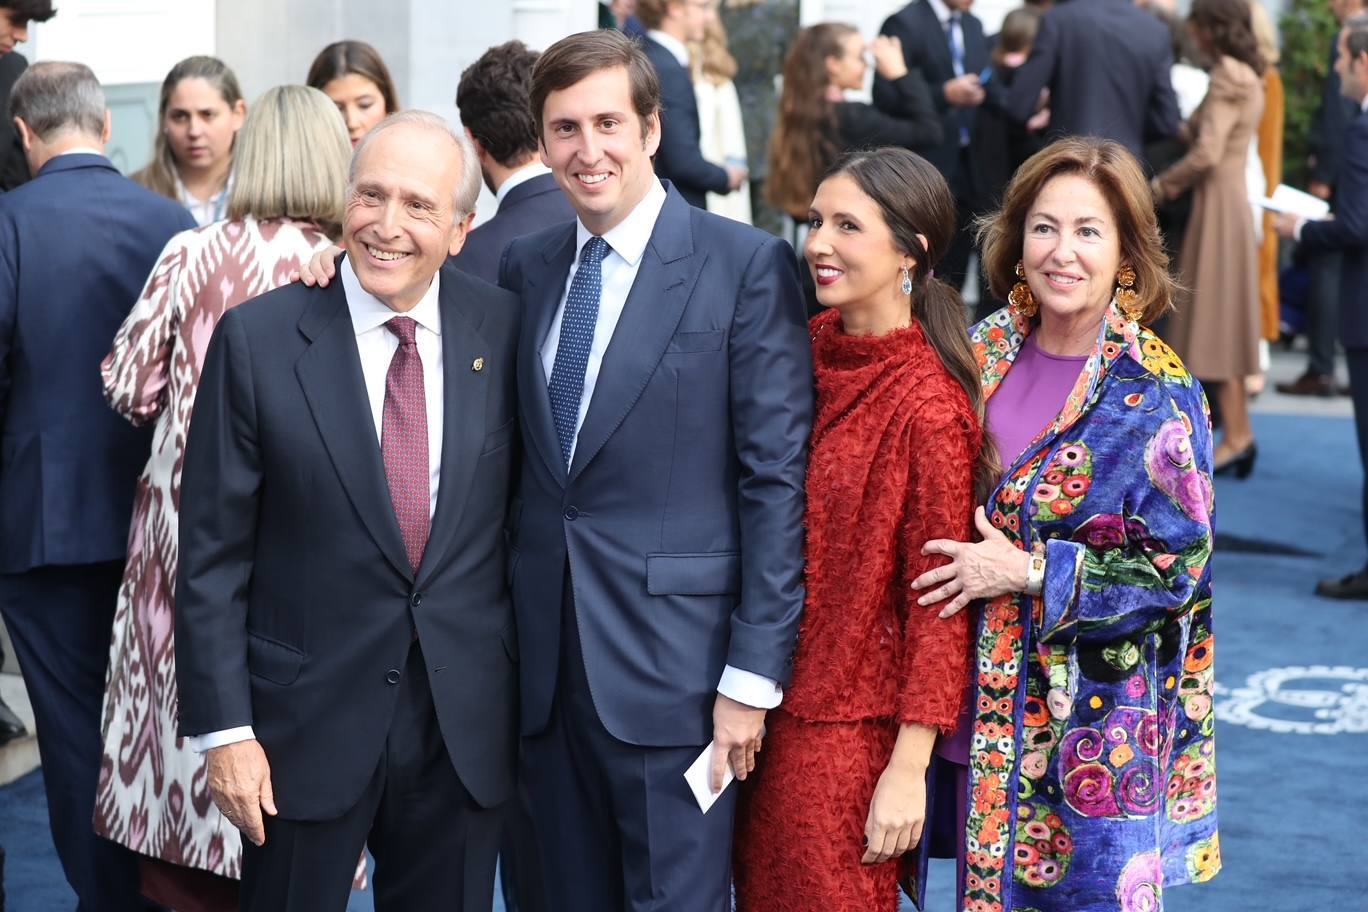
{"points": [[1292, 674]]}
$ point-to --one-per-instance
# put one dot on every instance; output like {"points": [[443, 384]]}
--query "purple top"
{"points": [[1029, 398]]}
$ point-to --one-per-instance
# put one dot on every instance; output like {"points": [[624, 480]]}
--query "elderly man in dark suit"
{"points": [[76, 245], [492, 98], [1347, 232], [344, 637], [1106, 64]]}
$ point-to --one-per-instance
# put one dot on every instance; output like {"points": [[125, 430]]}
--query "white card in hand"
{"points": [[697, 776]]}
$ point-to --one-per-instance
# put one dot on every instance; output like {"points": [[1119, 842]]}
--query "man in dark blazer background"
{"points": [[492, 99], [944, 42], [1106, 64], [665, 400], [670, 26], [1347, 233], [76, 246], [344, 637]]}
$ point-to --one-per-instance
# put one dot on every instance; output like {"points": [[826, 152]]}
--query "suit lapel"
{"points": [[329, 372], [937, 36], [465, 395], [542, 291], [669, 269]]}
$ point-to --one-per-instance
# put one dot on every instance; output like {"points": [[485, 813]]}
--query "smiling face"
{"points": [[848, 70], [200, 124], [359, 100], [598, 147], [850, 249], [401, 224], [1071, 249]]}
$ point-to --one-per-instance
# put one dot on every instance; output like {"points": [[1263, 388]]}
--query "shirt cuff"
{"points": [[202, 743], [747, 687], [1297, 230]]}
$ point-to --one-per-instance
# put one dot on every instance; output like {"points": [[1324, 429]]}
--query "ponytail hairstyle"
{"points": [[914, 199]]}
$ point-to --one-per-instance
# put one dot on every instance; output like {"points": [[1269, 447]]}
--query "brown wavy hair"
{"points": [[913, 200], [345, 58], [802, 146], [1227, 28], [1111, 168]]}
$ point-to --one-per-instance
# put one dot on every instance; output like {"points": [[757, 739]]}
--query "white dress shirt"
{"points": [[206, 212], [626, 245], [376, 346], [517, 178], [678, 49]]}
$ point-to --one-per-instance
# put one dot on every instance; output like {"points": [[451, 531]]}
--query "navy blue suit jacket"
{"points": [[296, 605], [531, 206], [681, 516], [77, 244], [1106, 64], [1348, 231], [679, 160]]}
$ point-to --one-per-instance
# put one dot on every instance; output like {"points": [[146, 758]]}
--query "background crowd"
{"points": [[762, 123]]}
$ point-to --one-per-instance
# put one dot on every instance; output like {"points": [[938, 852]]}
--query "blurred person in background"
{"points": [[1270, 145], [15, 18], [354, 76], [721, 133], [199, 113]]}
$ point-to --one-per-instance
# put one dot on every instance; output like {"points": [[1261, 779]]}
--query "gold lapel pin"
{"points": [[477, 365]]}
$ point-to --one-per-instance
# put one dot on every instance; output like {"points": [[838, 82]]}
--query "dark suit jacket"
{"points": [[910, 120], [296, 605], [76, 246], [926, 48], [679, 159], [681, 517], [1348, 231], [1325, 138], [14, 168], [1106, 63], [531, 206]]}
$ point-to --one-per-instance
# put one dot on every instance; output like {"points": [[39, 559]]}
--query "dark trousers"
{"points": [[1322, 317], [616, 827], [434, 847], [60, 620], [1358, 390]]}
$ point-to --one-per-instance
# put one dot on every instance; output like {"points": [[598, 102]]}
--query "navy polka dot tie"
{"points": [[576, 336], [404, 440]]}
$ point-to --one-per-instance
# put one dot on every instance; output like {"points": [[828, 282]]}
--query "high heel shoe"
{"points": [[1239, 465]]}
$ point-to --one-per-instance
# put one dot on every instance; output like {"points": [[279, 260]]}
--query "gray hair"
{"points": [[54, 97], [467, 188], [1357, 38]]}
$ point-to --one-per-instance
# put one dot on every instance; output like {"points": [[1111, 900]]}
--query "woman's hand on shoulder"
{"points": [[320, 268], [982, 569]]}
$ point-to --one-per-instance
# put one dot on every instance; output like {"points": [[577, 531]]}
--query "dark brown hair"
{"points": [[1227, 28], [802, 146], [914, 199], [1117, 176], [577, 57], [28, 10], [652, 12], [343, 58], [492, 97], [1018, 32]]}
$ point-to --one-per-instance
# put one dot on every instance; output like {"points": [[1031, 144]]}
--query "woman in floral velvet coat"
{"points": [[1091, 761]]}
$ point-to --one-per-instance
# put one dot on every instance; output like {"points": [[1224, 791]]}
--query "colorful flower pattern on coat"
{"points": [[1093, 701]]}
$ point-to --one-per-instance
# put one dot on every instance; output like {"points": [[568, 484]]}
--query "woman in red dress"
{"points": [[897, 458]]}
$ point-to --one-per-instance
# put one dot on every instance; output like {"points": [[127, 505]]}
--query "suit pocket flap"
{"points": [[716, 573], [711, 340], [273, 660], [500, 436]]}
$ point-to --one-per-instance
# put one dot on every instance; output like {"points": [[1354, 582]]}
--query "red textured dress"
{"points": [[894, 445]]}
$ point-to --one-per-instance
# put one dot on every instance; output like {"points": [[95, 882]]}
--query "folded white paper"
{"points": [[1295, 202], [697, 776]]}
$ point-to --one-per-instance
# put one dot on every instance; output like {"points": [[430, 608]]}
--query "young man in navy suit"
{"points": [[665, 401], [76, 246]]}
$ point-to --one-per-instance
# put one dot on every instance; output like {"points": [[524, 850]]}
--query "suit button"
{"points": [[392, 676], [416, 600], [571, 514]]}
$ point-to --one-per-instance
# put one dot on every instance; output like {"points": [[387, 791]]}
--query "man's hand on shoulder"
{"points": [[240, 784], [737, 732], [319, 270]]}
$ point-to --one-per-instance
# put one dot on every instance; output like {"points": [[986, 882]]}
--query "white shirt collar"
{"points": [[941, 10], [521, 176], [628, 239], [369, 312], [672, 44], [81, 150]]}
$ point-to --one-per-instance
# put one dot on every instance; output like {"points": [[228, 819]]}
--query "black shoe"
{"points": [[11, 726], [1353, 586], [1310, 384], [1239, 465]]}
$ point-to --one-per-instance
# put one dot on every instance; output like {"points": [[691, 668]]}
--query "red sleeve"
{"points": [[940, 504]]}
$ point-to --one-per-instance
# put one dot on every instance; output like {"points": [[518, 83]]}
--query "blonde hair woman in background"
{"points": [[721, 136], [199, 114], [286, 203]]}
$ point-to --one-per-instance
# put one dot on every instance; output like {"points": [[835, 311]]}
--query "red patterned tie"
{"points": [[404, 440]]}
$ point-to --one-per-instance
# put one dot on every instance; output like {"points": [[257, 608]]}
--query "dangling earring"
{"points": [[1020, 299], [906, 281], [1126, 297]]}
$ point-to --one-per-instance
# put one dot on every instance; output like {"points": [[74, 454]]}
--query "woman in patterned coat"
{"points": [[287, 200], [1090, 758]]}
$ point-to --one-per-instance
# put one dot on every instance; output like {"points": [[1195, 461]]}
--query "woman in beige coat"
{"points": [[1216, 328]]}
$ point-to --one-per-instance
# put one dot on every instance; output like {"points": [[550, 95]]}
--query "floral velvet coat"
{"points": [[1092, 765]]}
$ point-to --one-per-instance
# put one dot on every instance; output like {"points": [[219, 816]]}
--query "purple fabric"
{"points": [[1030, 397]]}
